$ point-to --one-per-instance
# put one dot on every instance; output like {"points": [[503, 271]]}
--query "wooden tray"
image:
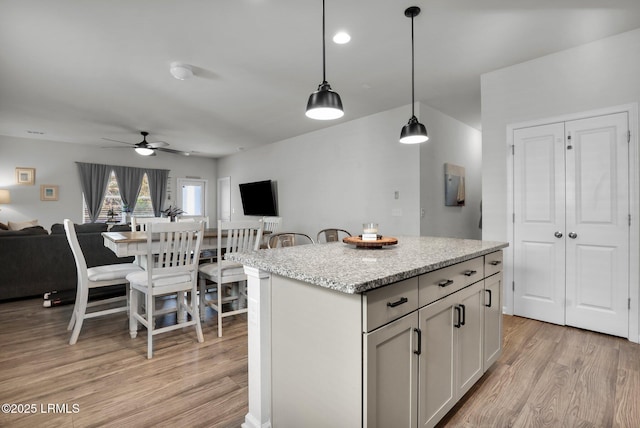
{"points": [[378, 243]]}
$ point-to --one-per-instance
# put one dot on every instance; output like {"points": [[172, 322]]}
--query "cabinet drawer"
{"points": [[492, 263], [388, 303], [442, 282]]}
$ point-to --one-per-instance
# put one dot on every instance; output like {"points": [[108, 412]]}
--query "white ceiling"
{"points": [[83, 70]]}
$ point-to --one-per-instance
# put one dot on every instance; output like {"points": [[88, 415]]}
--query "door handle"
{"points": [[573, 235], [464, 315], [419, 350], [558, 234], [398, 302], [445, 282], [489, 305], [457, 324]]}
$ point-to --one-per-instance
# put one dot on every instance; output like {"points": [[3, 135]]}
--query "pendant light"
{"points": [[324, 104], [413, 132]]}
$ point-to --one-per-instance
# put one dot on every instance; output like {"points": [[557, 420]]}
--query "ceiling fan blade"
{"points": [[114, 147], [157, 144], [117, 141]]}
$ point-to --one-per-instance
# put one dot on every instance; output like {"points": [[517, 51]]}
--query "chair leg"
{"points": [[201, 297], [195, 315], [220, 287], [150, 323], [134, 308], [79, 310]]}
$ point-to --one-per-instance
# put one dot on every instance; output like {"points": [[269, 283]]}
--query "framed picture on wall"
{"points": [[454, 188], [25, 176], [48, 192]]}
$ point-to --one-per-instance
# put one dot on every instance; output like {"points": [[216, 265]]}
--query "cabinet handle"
{"points": [[397, 303], [489, 305], [464, 315], [495, 262], [445, 282], [470, 272], [457, 324], [419, 350]]}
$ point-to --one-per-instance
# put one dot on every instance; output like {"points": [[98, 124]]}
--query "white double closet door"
{"points": [[571, 223]]}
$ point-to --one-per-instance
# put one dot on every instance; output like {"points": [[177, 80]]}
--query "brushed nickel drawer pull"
{"points": [[397, 303], [445, 282], [470, 272]]}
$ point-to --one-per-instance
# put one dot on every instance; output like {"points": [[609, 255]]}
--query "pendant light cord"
{"points": [[324, 55], [413, 90]]}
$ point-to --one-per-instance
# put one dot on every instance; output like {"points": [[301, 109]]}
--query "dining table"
{"points": [[125, 244]]}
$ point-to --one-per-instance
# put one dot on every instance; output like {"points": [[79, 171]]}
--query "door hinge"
{"points": [[629, 219], [513, 218], [569, 146], [513, 286], [513, 149], [628, 135], [629, 303]]}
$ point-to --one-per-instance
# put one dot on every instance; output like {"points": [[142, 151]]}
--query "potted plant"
{"points": [[172, 212]]}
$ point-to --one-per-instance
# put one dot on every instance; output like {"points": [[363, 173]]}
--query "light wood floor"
{"points": [[548, 376]]}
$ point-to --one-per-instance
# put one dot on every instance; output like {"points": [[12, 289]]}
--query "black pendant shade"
{"points": [[324, 104], [413, 132]]}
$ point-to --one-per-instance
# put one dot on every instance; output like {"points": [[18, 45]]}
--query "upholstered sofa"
{"points": [[35, 261]]}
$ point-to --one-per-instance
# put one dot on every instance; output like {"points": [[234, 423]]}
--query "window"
{"points": [[191, 196], [112, 201]]}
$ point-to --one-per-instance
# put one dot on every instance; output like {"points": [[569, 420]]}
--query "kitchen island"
{"points": [[337, 334]]}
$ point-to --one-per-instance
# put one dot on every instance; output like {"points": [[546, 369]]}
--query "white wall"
{"points": [[55, 164], [589, 77], [450, 141], [348, 174]]}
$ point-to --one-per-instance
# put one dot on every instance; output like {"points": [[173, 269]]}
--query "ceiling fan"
{"points": [[146, 148]]}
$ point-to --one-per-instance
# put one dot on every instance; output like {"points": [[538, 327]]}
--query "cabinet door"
{"points": [[492, 319], [437, 393], [470, 337], [391, 374]]}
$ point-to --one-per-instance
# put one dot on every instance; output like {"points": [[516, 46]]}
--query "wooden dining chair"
{"points": [[331, 235], [271, 225], [144, 222], [289, 239], [92, 278], [229, 277], [171, 269]]}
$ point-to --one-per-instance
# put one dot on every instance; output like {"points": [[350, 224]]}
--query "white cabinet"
{"points": [[391, 374], [492, 319], [452, 359], [389, 357]]}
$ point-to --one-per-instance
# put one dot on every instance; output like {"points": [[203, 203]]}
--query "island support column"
{"points": [[259, 348]]}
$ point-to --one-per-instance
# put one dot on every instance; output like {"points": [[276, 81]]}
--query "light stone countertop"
{"points": [[351, 270]]}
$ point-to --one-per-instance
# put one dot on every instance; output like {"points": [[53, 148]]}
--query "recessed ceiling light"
{"points": [[35, 132], [180, 71], [341, 38]]}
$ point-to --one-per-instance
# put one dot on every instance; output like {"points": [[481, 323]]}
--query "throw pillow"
{"points": [[4, 226], [19, 225]]}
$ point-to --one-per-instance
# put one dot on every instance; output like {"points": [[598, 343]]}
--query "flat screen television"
{"points": [[259, 198]]}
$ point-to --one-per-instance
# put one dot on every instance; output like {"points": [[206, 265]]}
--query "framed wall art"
{"points": [[48, 192], [454, 186], [25, 176]]}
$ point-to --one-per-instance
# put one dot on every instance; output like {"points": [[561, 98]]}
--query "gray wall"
{"points": [[55, 164], [348, 174], [450, 141], [589, 77]]}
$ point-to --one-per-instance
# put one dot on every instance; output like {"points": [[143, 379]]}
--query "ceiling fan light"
{"points": [[413, 132], [144, 151], [324, 104]]}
